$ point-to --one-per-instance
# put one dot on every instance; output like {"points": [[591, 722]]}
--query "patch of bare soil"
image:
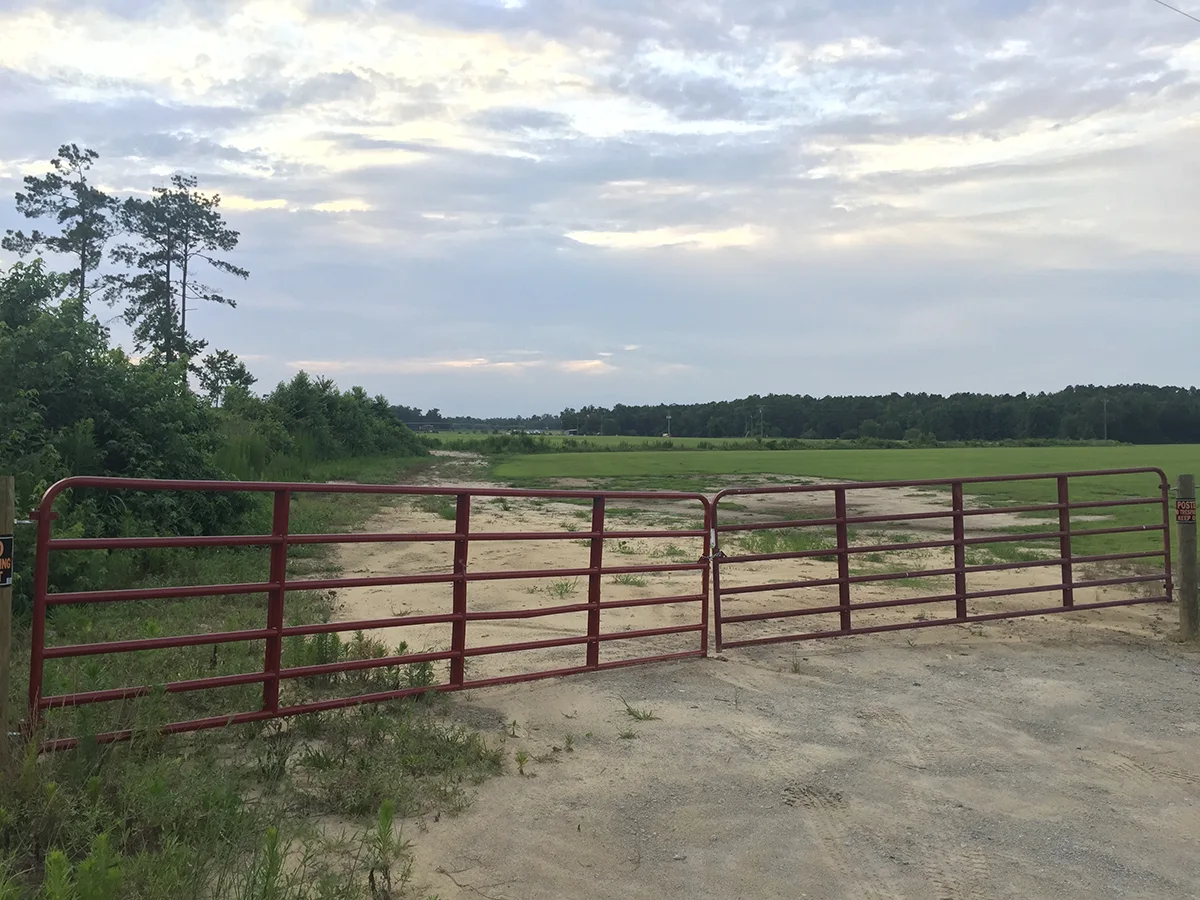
{"points": [[1052, 757]]}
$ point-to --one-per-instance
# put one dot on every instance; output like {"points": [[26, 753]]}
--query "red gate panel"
{"points": [[787, 570], [461, 615]]}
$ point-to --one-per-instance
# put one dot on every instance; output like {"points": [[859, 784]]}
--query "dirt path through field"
{"points": [[1054, 757]]}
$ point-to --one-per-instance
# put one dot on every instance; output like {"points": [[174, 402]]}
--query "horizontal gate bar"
{"points": [[929, 623], [941, 573], [933, 514], [943, 598]]}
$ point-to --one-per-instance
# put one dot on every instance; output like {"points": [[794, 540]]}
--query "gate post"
{"points": [[843, 557], [960, 551], [714, 553], [595, 561], [41, 587], [7, 517], [458, 629], [273, 659], [1185, 524], [1064, 540]]}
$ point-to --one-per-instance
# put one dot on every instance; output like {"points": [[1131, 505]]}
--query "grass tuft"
{"points": [[631, 579], [639, 714], [564, 587]]}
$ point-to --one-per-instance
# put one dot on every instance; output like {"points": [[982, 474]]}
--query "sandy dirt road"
{"points": [[1051, 759], [1054, 757]]}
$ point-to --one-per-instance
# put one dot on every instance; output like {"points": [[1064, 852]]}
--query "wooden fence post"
{"points": [[1185, 527], [7, 517]]}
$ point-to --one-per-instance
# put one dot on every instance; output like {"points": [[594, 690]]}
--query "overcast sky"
{"points": [[497, 206]]}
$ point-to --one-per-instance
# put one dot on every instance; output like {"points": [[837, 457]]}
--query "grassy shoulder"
{"points": [[280, 811]]}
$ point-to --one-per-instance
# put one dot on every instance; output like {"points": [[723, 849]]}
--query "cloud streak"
{"points": [[418, 366]]}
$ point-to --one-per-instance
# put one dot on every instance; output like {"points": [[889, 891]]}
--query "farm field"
{"points": [[851, 464]]}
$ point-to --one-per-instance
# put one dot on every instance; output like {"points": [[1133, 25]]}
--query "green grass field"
{"points": [[850, 465]]}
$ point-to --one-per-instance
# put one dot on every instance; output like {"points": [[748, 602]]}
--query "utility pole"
{"points": [[1104, 400], [668, 424], [762, 430]]}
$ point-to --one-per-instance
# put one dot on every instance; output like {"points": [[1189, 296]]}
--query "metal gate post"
{"points": [[1064, 540], [458, 629], [843, 562], [708, 555], [960, 552], [595, 561], [276, 599], [41, 587], [1168, 582], [714, 551]]}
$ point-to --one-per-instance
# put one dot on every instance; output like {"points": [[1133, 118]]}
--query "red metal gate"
{"points": [[814, 552], [790, 547], [684, 611]]}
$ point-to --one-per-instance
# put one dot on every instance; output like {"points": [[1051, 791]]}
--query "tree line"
{"points": [[73, 403], [1135, 414], [1138, 414]]}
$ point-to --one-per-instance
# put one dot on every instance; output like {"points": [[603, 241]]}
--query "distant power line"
{"points": [[1178, 10]]}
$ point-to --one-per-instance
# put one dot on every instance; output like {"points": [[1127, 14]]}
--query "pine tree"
{"points": [[173, 232], [84, 213]]}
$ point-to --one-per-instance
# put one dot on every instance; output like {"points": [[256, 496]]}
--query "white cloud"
{"points": [[741, 236], [248, 204], [427, 365], [342, 206], [407, 366], [587, 366]]}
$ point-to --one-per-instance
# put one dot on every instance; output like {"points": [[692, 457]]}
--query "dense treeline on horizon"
{"points": [[1134, 414]]}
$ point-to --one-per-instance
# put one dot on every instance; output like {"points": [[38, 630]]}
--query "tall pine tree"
{"points": [[84, 213], [172, 233]]}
